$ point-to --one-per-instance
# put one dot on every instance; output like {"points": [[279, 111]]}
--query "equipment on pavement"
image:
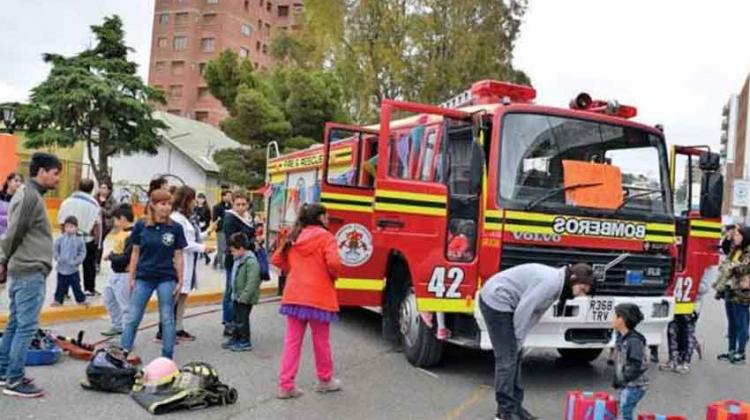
{"points": [[649, 416], [110, 371], [728, 410], [160, 390]]}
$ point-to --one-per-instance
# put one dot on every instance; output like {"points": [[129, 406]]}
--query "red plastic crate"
{"points": [[728, 410], [582, 405], [649, 416]]}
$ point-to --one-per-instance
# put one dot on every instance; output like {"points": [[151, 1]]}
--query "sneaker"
{"points": [[669, 366], [508, 416], [683, 368], [289, 394], [23, 389], [55, 304], [228, 344], [738, 359], [26, 380], [112, 332], [239, 346], [185, 336], [526, 415], [725, 357], [443, 334], [331, 386]]}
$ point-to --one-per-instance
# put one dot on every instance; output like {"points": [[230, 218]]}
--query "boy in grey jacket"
{"points": [[631, 360], [512, 302], [70, 251], [26, 259]]}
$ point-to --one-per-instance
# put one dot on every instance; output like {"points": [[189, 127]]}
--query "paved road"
{"points": [[379, 383]]}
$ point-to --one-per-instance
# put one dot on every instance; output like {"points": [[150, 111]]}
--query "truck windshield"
{"points": [[558, 162]]}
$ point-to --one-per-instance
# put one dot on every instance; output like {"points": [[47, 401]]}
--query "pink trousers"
{"points": [[295, 334]]}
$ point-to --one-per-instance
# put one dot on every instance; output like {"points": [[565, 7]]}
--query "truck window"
{"points": [[352, 159], [406, 146]]}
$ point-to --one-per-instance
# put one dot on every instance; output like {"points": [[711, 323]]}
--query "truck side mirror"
{"points": [[712, 190]]}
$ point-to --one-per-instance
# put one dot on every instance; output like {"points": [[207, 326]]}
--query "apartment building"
{"points": [[189, 33]]}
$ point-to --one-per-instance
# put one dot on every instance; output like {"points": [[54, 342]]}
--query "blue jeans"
{"points": [[629, 398], [26, 298], [741, 320], [138, 301], [69, 281], [731, 324], [227, 307]]}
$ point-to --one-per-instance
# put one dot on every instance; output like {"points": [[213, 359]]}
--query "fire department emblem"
{"points": [[355, 244]]}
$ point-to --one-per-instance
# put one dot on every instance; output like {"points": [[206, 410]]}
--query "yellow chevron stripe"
{"points": [[345, 207], [520, 215], [400, 208], [702, 234], [493, 213], [493, 226], [433, 198], [445, 305], [684, 308], [374, 285], [530, 229], [703, 223], [350, 197], [660, 227], [660, 238]]}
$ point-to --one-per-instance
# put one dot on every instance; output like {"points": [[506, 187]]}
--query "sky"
{"points": [[676, 61]]}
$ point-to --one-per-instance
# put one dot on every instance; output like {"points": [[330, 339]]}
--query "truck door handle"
{"points": [[389, 223]]}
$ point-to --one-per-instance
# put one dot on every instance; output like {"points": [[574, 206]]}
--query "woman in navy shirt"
{"points": [[155, 265]]}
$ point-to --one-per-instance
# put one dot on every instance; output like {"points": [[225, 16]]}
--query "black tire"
{"points": [[231, 396], [580, 355], [421, 347]]}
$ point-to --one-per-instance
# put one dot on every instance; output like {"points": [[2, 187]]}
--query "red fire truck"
{"points": [[435, 199]]}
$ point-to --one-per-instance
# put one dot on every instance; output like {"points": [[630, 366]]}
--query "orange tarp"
{"points": [[605, 191], [8, 156]]}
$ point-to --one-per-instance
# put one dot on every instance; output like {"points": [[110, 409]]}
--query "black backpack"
{"points": [[110, 371]]}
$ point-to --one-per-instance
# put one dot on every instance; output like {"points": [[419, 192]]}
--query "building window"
{"points": [[202, 68], [283, 28], [268, 6], [174, 112], [179, 43], [260, 25], [283, 11], [201, 116], [268, 29], [162, 42], [181, 18], [178, 68], [164, 18], [246, 30], [208, 44], [255, 65], [244, 52], [265, 49], [297, 7], [257, 45], [203, 92], [175, 91], [159, 66], [247, 5], [209, 18], [260, 3]]}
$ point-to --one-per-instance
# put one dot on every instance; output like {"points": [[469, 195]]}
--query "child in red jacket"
{"points": [[310, 258]]}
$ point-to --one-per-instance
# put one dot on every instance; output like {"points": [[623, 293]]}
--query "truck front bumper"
{"points": [[577, 328]]}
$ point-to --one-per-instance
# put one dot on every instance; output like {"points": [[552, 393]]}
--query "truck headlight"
{"points": [[660, 310]]}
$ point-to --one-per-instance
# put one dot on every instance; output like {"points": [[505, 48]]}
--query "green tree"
{"points": [[96, 97], [421, 50], [289, 105]]}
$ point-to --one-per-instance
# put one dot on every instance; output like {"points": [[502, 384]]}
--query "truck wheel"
{"points": [[579, 355], [421, 347]]}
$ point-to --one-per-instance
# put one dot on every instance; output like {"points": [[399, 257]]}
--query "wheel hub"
{"points": [[409, 319]]}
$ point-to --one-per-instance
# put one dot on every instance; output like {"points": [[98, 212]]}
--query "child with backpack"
{"points": [[245, 290], [631, 358], [117, 291], [70, 251]]}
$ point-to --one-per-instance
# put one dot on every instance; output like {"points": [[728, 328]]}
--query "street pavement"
{"points": [[378, 382]]}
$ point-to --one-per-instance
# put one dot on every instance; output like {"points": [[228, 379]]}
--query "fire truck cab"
{"points": [[435, 200]]}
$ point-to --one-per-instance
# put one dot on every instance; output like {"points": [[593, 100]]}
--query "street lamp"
{"points": [[8, 115]]}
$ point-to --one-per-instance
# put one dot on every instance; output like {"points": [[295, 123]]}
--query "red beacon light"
{"points": [[584, 102], [493, 91]]}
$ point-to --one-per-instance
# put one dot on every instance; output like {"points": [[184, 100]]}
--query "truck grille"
{"points": [[657, 269]]}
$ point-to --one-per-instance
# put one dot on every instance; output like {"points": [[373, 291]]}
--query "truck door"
{"points": [[695, 183], [348, 195], [427, 201]]}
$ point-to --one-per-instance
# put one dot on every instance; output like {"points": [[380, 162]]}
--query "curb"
{"points": [[75, 313]]}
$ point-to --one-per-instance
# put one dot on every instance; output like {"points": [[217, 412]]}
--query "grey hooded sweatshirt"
{"points": [[527, 291]]}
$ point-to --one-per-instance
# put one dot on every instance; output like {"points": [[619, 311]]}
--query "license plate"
{"points": [[601, 309]]}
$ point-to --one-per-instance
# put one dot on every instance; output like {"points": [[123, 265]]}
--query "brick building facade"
{"points": [[189, 33]]}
